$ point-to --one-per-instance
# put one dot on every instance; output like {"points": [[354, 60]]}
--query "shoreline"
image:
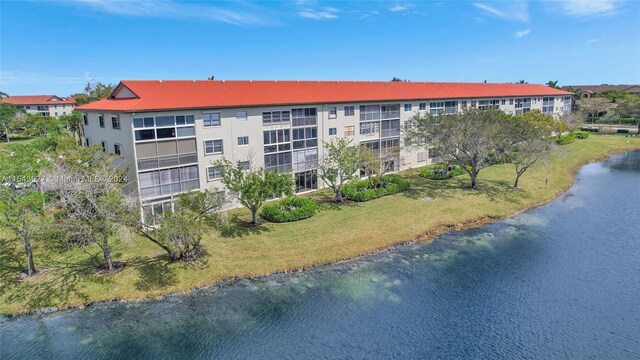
{"points": [[424, 237]]}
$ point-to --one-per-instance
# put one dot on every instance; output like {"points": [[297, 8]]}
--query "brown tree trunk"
{"points": [[254, 216], [339, 195], [107, 254], [31, 266]]}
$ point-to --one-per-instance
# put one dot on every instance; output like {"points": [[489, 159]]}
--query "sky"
{"points": [[56, 47]]}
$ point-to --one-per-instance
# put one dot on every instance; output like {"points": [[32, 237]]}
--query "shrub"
{"points": [[360, 191], [289, 209], [622, 131], [581, 135], [565, 139], [439, 172], [590, 129]]}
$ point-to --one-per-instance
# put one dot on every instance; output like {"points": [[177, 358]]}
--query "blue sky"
{"points": [[57, 46]]}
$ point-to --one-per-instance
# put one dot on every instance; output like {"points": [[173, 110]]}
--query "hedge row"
{"points": [[439, 172], [565, 139], [590, 129], [289, 209], [360, 191]]}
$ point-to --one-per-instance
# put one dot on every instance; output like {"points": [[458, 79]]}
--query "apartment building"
{"points": [[45, 105], [169, 132]]}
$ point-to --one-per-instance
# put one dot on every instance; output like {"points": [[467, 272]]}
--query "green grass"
{"points": [[335, 233]]}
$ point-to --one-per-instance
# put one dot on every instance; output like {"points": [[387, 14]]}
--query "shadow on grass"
{"points": [[236, 227], [154, 273], [56, 282]]}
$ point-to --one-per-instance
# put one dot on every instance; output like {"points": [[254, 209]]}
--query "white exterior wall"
{"points": [[231, 128], [55, 110]]}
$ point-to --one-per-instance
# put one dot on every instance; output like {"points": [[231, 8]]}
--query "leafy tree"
{"points": [[553, 84], [72, 122], [339, 165], [93, 92], [21, 207], [577, 93], [472, 139], [630, 106], [614, 95], [180, 231], [594, 106], [545, 122], [3, 95], [253, 187], [397, 79], [7, 114]]}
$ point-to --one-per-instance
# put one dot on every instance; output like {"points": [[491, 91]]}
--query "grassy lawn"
{"points": [[335, 233]]}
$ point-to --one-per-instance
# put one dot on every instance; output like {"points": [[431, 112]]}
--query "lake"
{"points": [[558, 281]]}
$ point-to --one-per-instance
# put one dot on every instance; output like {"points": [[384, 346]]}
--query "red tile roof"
{"points": [[187, 94], [38, 100]]}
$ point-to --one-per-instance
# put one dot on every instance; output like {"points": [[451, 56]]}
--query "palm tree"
{"points": [[3, 95], [521, 82], [577, 92], [553, 84]]}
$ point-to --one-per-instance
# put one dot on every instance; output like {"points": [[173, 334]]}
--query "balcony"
{"points": [[166, 161], [304, 121], [389, 133], [280, 169], [390, 115]]}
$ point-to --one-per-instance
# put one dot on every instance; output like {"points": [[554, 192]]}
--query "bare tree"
{"points": [[89, 192], [377, 163]]}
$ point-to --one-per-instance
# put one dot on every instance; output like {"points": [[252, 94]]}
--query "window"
{"points": [[86, 142], [407, 124], [349, 130], [510, 101], [407, 107], [567, 104], [503, 102], [306, 181], [436, 108], [369, 128], [494, 103], [147, 134], [241, 115], [333, 112], [212, 119], [369, 112], [101, 120], [305, 159], [432, 153], [463, 104], [422, 106], [104, 145], [116, 149], [55, 114], [422, 156], [277, 149], [143, 122], [349, 110], [115, 122], [277, 140], [547, 105], [213, 173], [213, 147], [482, 104], [305, 138], [42, 107], [166, 133], [243, 140], [450, 107], [246, 165], [333, 131], [168, 181], [276, 117], [85, 119], [303, 117]]}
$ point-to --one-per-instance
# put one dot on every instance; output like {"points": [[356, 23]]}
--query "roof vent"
{"points": [[250, 81], [160, 81], [275, 81], [223, 81], [193, 81]]}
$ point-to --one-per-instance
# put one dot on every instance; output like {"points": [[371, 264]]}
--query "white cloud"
{"points": [[326, 13], [173, 9], [522, 33], [399, 7], [593, 41], [590, 8], [515, 11]]}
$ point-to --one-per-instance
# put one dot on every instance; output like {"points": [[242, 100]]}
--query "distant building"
{"points": [[588, 91], [169, 132], [45, 105]]}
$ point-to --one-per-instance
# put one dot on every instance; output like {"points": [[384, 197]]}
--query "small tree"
{"points": [[377, 163], [180, 231], [253, 187], [341, 161], [7, 113], [22, 215], [553, 84], [593, 107]]}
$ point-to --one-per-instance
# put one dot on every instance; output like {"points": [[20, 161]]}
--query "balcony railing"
{"points": [[390, 133], [304, 121], [390, 115], [169, 189], [165, 161]]}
